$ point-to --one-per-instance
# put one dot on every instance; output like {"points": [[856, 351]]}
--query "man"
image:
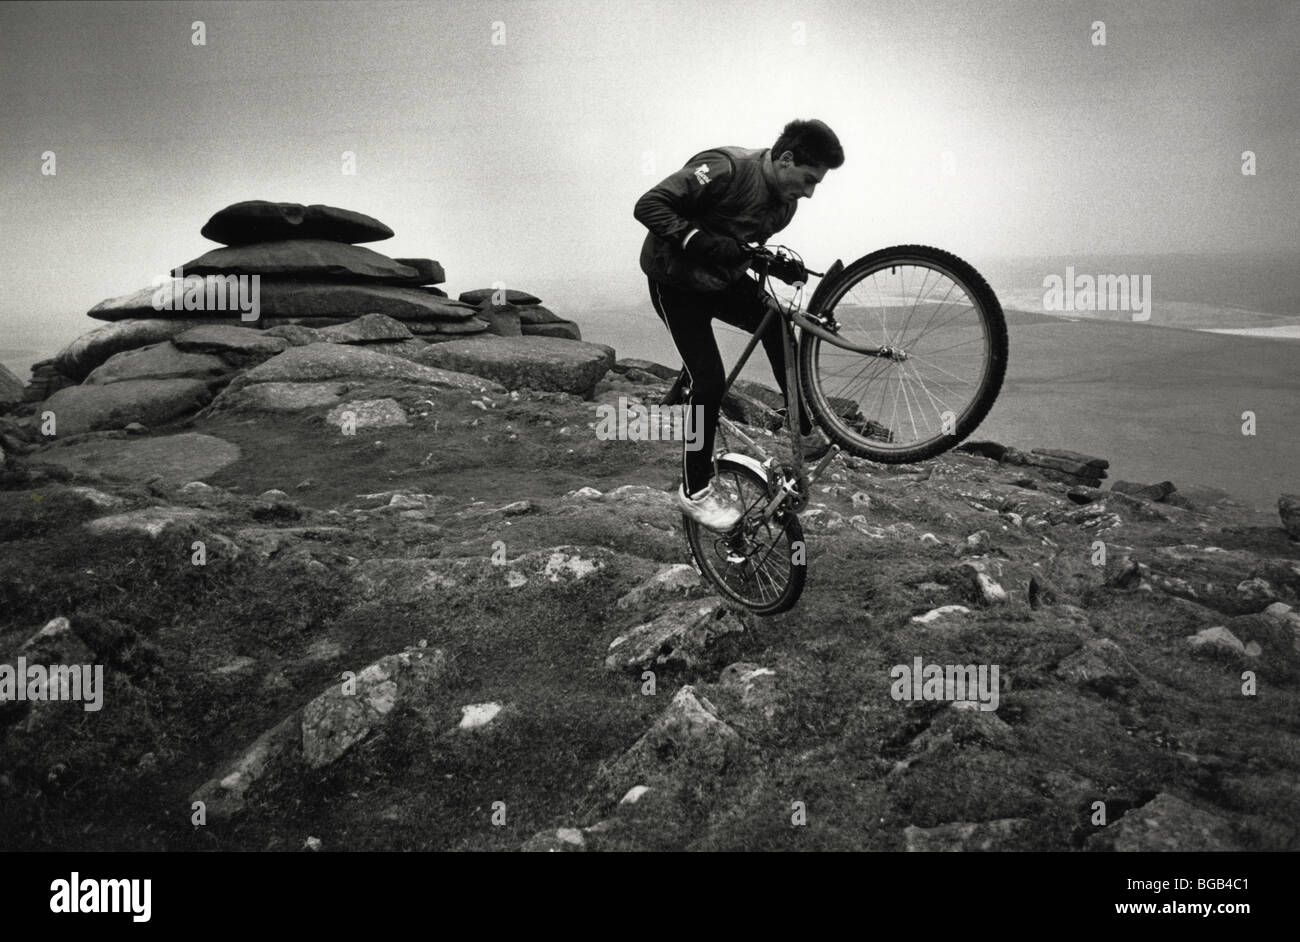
{"points": [[695, 260]]}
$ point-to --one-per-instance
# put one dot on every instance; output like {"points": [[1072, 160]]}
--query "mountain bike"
{"points": [[900, 357]]}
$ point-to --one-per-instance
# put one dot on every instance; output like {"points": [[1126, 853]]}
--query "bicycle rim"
{"points": [[946, 329], [761, 568]]}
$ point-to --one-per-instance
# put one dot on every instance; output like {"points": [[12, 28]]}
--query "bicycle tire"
{"points": [[847, 423], [740, 582]]}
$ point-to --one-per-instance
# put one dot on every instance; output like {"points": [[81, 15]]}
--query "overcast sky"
{"points": [[523, 160]]}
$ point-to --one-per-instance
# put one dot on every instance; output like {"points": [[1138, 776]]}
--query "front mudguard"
{"points": [[819, 295]]}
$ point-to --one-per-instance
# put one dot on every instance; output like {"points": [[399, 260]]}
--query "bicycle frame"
{"points": [[788, 319]]}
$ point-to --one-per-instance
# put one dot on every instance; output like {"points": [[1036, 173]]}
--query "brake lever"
{"points": [[767, 257]]}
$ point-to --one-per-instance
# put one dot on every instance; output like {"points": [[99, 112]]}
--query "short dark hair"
{"points": [[812, 143]]}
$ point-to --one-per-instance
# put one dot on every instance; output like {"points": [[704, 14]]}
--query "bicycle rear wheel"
{"points": [[762, 566], [946, 342]]}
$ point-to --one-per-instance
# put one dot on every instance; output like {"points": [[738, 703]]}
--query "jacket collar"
{"points": [[769, 175]]}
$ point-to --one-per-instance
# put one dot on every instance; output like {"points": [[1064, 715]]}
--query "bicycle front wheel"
{"points": [[944, 353], [762, 566]]}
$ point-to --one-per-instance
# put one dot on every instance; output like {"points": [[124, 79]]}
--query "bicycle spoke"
{"points": [[878, 368], [775, 573], [960, 310], [941, 369], [939, 405], [935, 383], [977, 353], [759, 573], [933, 315], [893, 420], [924, 282]]}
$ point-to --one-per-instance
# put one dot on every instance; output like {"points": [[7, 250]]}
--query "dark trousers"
{"points": [[689, 318]]}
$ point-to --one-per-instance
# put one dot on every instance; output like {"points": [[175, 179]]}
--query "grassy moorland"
{"points": [[1102, 697]]}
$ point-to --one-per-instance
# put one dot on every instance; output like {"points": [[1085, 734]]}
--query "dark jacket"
{"points": [[722, 191]]}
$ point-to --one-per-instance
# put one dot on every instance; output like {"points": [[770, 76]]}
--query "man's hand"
{"points": [[717, 250], [789, 270]]}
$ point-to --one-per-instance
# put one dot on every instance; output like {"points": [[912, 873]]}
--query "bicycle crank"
{"points": [[796, 487], [781, 478]]}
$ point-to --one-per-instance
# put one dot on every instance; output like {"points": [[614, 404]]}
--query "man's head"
{"points": [[802, 155]]}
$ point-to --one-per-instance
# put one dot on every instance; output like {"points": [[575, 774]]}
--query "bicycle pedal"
{"points": [[787, 474]]}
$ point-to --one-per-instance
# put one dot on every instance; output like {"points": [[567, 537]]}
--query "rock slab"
{"points": [[541, 363], [263, 221], [156, 361], [322, 361], [305, 259], [175, 459], [147, 401]]}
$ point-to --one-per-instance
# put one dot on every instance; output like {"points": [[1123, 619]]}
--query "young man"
{"points": [[695, 260]]}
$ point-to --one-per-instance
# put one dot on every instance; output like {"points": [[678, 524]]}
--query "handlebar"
{"points": [[763, 254]]}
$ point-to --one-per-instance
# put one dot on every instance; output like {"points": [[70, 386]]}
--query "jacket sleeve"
{"points": [[668, 209]]}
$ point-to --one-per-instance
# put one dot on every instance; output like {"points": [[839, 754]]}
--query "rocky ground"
{"points": [[361, 605]]}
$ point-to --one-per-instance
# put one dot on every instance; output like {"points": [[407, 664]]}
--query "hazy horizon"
{"points": [[1267, 283]]}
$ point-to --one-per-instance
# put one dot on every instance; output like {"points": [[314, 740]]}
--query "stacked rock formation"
{"points": [[517, 313], [46, 380], [290, 311], [312, 273]]}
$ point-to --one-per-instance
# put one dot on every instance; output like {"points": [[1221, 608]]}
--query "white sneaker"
{"points": [[708, 510]]}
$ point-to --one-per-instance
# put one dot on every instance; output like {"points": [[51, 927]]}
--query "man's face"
{"points": [[795, 181]]}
